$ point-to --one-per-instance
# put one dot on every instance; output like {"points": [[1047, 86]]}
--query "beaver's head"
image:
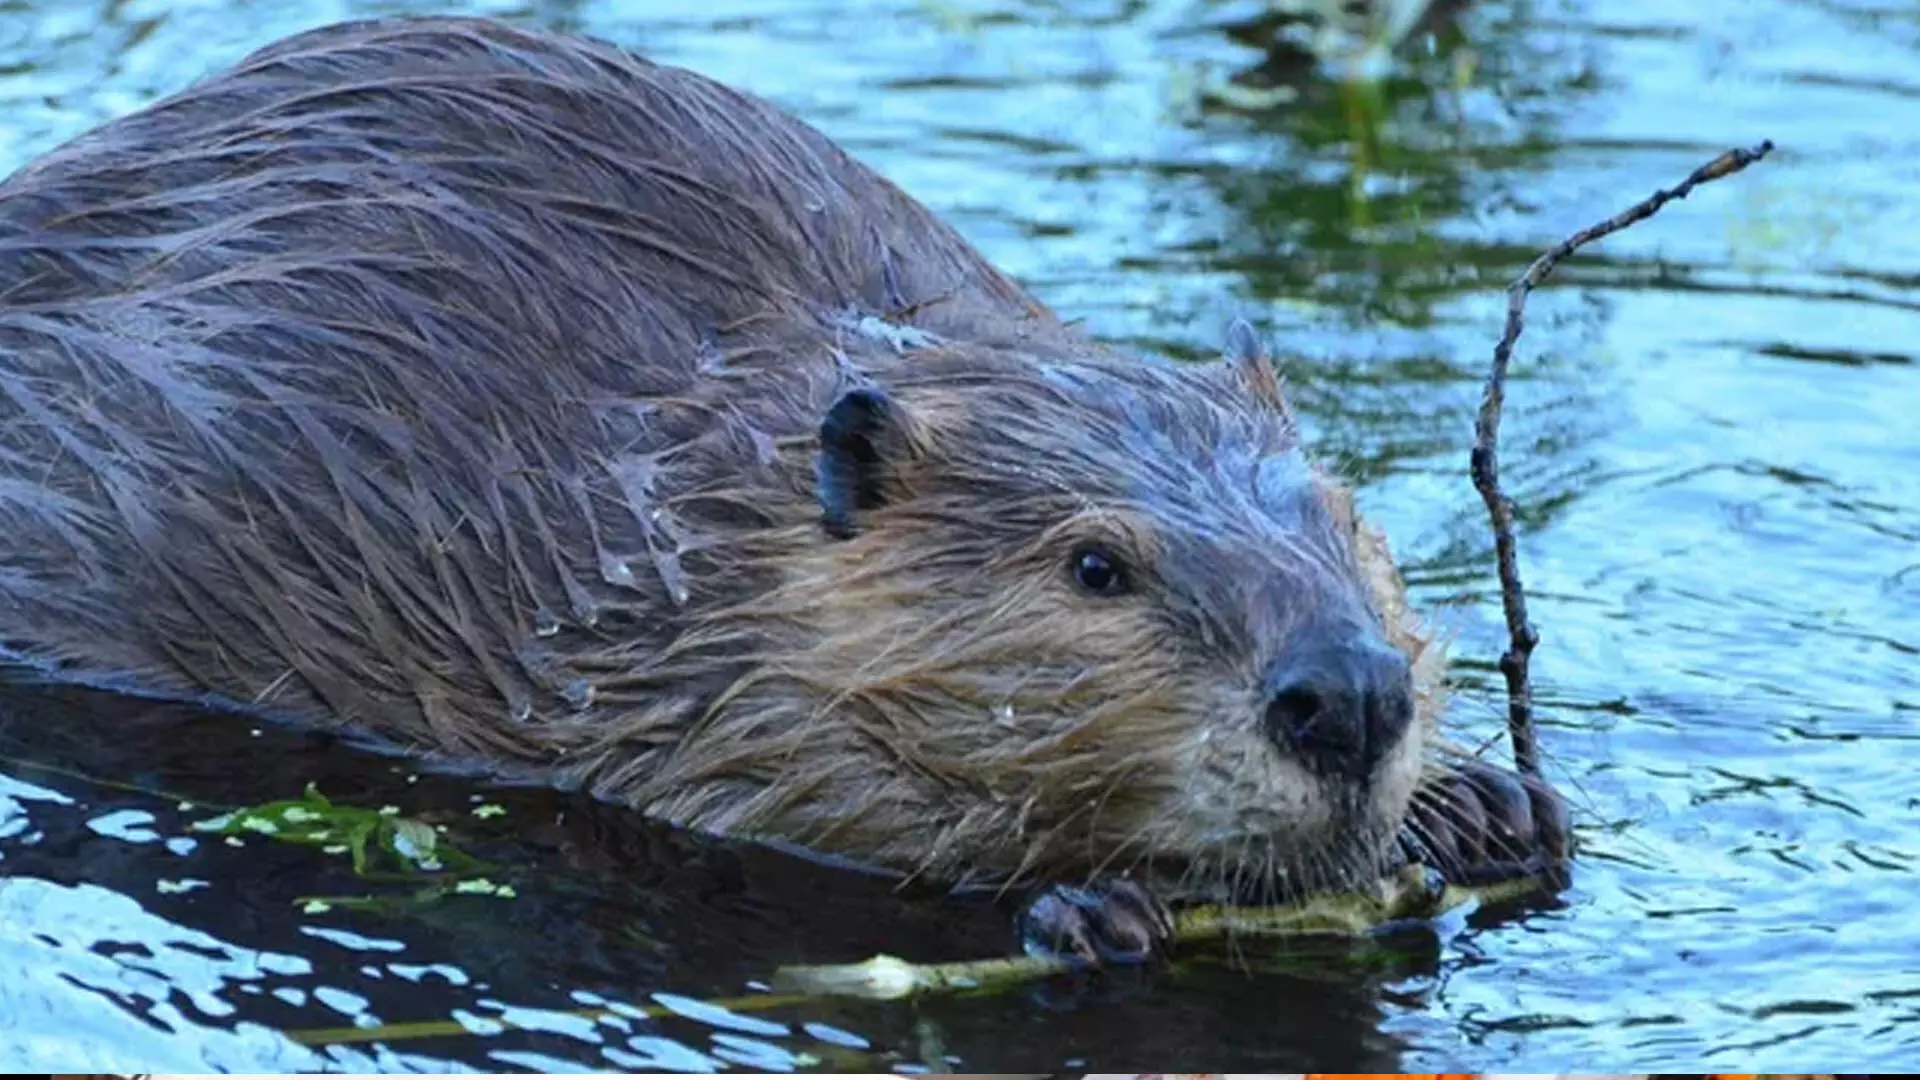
{"points": [[1082, 614]]}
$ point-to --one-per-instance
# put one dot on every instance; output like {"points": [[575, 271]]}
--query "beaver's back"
{"points": [[352, 378]]}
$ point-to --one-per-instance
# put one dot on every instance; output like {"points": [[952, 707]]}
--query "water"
{"points": [[1711, 434]]}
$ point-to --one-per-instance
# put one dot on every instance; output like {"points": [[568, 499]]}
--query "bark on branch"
{"points": [[1521, 635]]}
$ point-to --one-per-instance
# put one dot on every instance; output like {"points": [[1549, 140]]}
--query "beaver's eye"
{"points": [[1098, 573]]}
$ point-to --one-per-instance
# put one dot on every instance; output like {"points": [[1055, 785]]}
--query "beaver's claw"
{"points": [[1481, 823], [1112, 923]]}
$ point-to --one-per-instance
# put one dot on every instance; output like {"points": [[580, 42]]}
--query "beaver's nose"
{"points": [[1341, 706]]}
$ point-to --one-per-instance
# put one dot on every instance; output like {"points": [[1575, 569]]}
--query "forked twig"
{"points": [[1521, 635]]}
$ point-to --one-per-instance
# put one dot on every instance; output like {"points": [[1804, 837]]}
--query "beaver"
{"points": [[505, 397]]}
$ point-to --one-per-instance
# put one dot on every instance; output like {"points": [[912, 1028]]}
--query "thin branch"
{"points": [[1522, 637], [1415, 893]]}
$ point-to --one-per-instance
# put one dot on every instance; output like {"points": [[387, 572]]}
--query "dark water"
{"points": [[1712, 435]]}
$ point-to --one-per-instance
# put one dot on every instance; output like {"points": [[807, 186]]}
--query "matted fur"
{"points": [[462, 386]]}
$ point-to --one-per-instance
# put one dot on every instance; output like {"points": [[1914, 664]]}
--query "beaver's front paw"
{"points": [[1479, 823], [1112, 923]]}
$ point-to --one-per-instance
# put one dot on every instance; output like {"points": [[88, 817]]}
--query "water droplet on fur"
{"points": [[897, 335], [545, 623], [672, 575], [1003, 714], [615, 571], [578, 692], [520, 709]]}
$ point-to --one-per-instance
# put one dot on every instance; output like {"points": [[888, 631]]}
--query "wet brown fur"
{"points": [[462, 386]]}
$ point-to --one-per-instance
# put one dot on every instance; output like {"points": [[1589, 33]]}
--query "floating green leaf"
{"points": [[382, 844]]}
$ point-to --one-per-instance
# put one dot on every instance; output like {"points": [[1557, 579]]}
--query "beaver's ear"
{"points": [[865, 439], [1251, 361]]}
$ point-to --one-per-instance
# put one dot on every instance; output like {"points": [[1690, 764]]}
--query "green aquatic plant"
{"points": [[1354, 42], [383, 845], [1367, 157]]}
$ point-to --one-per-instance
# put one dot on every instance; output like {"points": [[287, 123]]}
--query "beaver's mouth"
{"points": [[1255, 891], [1264, 876]]}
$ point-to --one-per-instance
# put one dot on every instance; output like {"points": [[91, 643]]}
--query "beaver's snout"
{"points": [[1342, 704]]}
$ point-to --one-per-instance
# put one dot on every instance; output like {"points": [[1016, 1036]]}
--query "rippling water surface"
{"points": [[1711, 433]]}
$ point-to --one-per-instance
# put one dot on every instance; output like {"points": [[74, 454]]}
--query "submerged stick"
{"points": [[1522, 636], [1414, 893]]}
